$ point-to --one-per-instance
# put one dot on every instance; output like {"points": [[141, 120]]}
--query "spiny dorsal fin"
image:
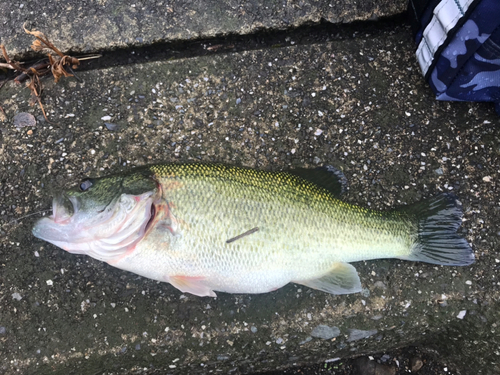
{"points": [[327, 177]]}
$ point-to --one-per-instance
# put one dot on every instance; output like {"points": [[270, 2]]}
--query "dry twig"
{"points": [[57, 64], [1, 85], [58, 61]]}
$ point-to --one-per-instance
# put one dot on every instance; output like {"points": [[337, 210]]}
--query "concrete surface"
{"points": [[88, 26], [356, 102]]}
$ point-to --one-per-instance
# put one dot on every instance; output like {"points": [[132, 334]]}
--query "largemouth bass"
{"points": [[206, 228]]}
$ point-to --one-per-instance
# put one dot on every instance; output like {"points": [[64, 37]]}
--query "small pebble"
{"points": [[385, 358], [443, 303], [23, 119], [307, 339], [358, 334], [416, 364], [325, 332], [110, 126]]}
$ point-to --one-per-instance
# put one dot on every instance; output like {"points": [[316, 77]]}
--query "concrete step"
{"points": [[89, 26]]}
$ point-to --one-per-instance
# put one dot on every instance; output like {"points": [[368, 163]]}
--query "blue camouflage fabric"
{"points": [[468, 69]]}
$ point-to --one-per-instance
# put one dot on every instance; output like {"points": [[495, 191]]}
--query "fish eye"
{"points": [[85, 185]]}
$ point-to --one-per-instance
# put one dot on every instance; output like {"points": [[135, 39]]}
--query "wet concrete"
{"points": [[356, 102]]}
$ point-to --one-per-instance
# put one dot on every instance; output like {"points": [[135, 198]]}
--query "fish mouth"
{"points": [[104, 234], [63, 208], [51, 228]]}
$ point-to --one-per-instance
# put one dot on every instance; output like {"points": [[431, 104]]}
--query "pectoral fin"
{"points": [[342, 279], [193, 285]]}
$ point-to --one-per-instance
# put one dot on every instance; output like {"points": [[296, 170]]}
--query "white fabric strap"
{"points": [[446, 15]]}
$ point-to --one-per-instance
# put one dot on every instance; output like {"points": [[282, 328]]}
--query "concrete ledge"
{"points": [[83, 26]]}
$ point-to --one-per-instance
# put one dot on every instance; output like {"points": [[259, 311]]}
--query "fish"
{"points": [[212, 227]]}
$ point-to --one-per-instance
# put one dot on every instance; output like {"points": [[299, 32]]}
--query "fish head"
{"points": [[103, 217]]}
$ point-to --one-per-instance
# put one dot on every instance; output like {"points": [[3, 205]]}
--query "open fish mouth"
{"points": [[104, 232], [54, 227], [63, 208]]}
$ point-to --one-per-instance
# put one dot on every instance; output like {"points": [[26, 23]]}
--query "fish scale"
{"points": [[303, 229]]}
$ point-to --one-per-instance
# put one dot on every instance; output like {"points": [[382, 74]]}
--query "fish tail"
{"points": [[436, 240]]}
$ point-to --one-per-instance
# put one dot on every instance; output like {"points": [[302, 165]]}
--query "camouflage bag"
{"points": [[459, 47]]}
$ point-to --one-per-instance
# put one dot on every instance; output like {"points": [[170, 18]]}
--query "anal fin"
{"points": [[341, 279], [193, 285]]}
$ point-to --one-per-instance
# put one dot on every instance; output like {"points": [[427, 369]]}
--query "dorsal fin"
{"points": [[327, 177]]}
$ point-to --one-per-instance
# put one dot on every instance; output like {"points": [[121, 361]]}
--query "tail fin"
{"points": [[437, 241]]}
